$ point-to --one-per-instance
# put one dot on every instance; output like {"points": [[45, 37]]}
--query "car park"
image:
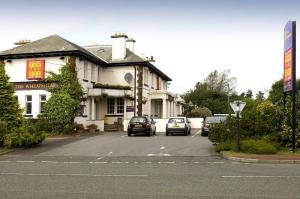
{"points": [[141, 125], [210, 121], [178, 125]]}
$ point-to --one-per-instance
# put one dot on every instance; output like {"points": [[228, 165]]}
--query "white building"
{"points": [[118, 83]]}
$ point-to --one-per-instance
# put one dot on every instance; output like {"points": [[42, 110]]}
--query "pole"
{"points": [[238, 147], [134, 94], [294, 122]]}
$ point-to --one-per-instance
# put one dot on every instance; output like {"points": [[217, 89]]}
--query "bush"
{"points": [[257, 147], [223, 131], [78, 128], [3, 131], [202, 112], [92, 126], [21, 138], [225, 146]]}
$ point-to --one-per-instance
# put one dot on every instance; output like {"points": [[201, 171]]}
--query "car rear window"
{"points": [[138, 119], [176, 120]]}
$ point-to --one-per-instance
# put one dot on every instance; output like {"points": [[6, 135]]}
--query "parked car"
{"points": [[144, 124], [210, 121], [178, 125]]}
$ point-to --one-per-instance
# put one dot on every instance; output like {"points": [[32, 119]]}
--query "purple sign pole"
{"points": [[289, 77]]}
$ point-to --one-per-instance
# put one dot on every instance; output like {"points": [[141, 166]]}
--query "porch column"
{"points": [[88, 108], [125, 112], [174, 111], [93, 109], [149, 107], [164, 113]]}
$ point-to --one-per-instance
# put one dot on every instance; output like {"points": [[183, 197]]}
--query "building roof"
{"points": [[105, 53], [53, 45]]}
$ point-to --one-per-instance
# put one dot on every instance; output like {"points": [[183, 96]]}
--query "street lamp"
{"points": [[237, 107]]}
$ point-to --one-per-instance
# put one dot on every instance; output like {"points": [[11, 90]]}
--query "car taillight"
{"points": [[147, 125], [129, 126]]}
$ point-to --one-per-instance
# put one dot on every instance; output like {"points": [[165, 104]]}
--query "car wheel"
{"points": [[129, 134], [167, 133], [148, 133]]}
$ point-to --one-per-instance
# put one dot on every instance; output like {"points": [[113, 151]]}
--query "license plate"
{"points": [[175, 126], [138, 125]]}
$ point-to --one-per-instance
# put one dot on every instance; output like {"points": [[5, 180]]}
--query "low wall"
{"points": [[99, 123], [161, 124]]}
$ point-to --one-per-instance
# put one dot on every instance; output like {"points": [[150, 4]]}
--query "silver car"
{"points": [[178, 125]]}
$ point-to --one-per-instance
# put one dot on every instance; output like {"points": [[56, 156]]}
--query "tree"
{"points": [[10, 111], [64, 103], [213, 92], [260, 96], [202, 112], [249, 93]]}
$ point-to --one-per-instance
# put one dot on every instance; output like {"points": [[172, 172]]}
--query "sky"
{"points": [[187, 38]]}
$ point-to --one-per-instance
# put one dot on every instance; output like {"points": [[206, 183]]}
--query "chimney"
{"points": [[119, 46], [22, 42], [130, 44]]}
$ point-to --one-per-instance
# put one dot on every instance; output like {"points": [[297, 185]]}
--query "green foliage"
{"points": [[61, 110], [3, 131], [19, 138], [212, 92], [65, 100], [257, 147], [10, 111], [92, 126], [108, 86], [228, 145], [202, 112], [222, 132]]}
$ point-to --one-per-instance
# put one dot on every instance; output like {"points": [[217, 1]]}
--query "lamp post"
{"points": [[237, 107]]}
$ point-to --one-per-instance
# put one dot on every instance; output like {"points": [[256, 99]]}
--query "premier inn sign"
{"points": [[34, 85]]}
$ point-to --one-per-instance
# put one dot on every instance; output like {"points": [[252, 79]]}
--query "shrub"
{"points": [[21, 138], [78, 128], [225, 146], [223, 131], [202, 112], [3, 131], [92, 126], [257, 147]]}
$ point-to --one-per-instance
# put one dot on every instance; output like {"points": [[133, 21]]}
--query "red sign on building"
{"points": [[35, 69]]}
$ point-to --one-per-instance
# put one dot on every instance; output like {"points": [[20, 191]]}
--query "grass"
{"points": [[282, 152]]}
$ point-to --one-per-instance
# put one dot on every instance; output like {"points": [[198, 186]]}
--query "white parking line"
{"points": [[160, 154], [49, 161], [25, 161], [166, 162], [162, 148], [76, 174], [260, 176], [72, 162], [197, 133], [105, 156]]}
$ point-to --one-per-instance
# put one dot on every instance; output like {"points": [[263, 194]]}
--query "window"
{"points": [[146, 76], [85, 69], [110, 106], [28, 104], [120, 105], [93, 72], [42, 103]]}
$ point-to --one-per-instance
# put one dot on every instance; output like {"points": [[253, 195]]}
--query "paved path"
{"points": [[116, 166]]}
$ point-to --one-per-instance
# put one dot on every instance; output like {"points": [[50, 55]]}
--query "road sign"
{"points": [[237, 106]]}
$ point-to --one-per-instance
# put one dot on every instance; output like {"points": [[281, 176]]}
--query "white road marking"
{"points": [[260, 176], [166, 162], [5, 161], [196, 162], [197, 133], [162, 148], [76, 174], [215, 162], [25, 161], [119, 162], [105, 156], [49, 161], [72, 162], [161, 154]]}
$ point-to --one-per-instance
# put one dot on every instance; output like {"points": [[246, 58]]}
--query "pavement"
{"points": [[113, 166]]}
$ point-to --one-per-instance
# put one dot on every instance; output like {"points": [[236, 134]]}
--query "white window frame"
{"points": [[120, 105], [26, 103], [112, 105], [42, 102]]}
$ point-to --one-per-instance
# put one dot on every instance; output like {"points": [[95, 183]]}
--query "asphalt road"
{"points": [[113, 165]]}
